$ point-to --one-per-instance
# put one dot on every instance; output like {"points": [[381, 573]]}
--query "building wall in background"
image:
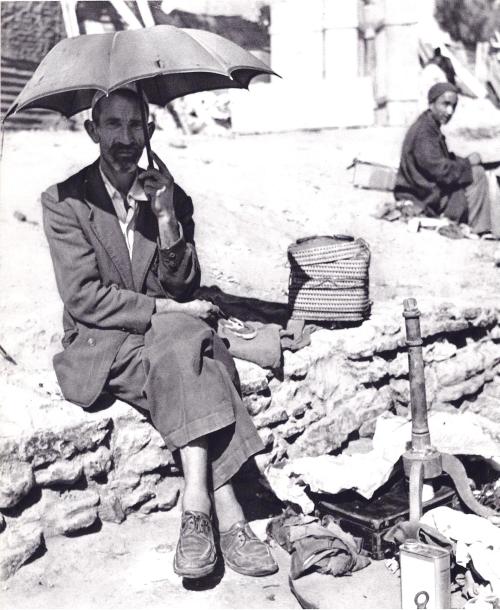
{"points": [[30, 29]]}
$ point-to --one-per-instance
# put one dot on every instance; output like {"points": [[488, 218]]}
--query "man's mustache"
{"points": [[119, 149]]}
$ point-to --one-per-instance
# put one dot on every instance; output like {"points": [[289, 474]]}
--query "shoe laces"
{"points": [[197, 523], [244, 535]]}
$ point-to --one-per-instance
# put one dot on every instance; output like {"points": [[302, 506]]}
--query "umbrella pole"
{"points": [[144, 118]]}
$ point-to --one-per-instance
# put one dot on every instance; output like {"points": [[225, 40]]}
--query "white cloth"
{"points": [[477, 539], [126, 211]]}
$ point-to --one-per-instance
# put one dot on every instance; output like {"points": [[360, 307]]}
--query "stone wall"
{"points": [[63, 470], [30, 29]]}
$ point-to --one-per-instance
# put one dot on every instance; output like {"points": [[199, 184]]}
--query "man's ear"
{"points": [[151, 129], [91, 129]]}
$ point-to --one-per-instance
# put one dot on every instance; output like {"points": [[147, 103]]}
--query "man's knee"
{"points": [[174, 324]]}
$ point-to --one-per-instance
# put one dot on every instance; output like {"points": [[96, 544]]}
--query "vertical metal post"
{"points": [[420, 437]]}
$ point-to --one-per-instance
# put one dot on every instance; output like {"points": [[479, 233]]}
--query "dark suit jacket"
{"points": [[106, 296], [428, 173]]}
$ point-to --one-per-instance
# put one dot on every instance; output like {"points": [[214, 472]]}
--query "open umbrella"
{"points": [[164, 61]]}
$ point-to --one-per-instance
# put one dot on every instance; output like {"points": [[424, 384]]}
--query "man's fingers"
{"points": [[150, 173]]}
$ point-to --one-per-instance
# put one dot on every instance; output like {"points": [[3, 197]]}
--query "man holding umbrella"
{"points": [[122, 244]]}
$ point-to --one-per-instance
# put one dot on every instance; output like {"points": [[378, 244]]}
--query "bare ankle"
{"points": [[196, 501]]}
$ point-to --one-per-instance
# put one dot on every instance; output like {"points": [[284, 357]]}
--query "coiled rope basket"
{"points": [[329, 279]]}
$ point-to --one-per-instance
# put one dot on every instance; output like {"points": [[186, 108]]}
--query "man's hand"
{"points": [[198, 308], [159, 187], [202, 309], [474, 158]]}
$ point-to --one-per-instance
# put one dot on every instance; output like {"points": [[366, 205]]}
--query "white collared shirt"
{"points": [[127, 214]]}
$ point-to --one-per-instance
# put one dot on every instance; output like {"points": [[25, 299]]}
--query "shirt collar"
{"points": [[136, 191]]}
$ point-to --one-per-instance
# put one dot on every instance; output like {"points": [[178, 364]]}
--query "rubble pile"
{"points": [[63, 469]]}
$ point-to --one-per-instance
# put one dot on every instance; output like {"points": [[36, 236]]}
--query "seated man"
{"points": [[437, 181], [122, 245]]}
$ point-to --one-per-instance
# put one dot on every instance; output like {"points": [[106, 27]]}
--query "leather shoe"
{"points": [[244, 553], [195, 555]]}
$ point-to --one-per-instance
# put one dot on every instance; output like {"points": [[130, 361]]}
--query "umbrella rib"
{"points": [[212, 54], [110, 55]]}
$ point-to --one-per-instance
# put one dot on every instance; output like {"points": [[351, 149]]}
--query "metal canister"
{"points": [[425, 575]]}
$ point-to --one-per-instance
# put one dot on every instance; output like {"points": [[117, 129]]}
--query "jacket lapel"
{"points": [[105, 224], [145, 236]]}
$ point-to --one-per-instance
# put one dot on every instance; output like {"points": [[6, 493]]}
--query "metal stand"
{"points": [[423, 461]]}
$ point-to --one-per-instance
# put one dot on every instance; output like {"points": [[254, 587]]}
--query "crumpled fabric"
{"points": [[477, 540], [263, 349], [425, 533], [296, 335], [317, 545]]}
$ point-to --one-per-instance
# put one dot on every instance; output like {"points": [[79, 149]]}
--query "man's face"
{"points": [[118, 131], [443, 108]]}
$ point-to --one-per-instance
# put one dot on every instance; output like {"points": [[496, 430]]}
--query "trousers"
{"points": [[477, 212], [181, 372]]}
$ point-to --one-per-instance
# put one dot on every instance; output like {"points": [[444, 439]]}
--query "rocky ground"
{"points": [[253, 196]]}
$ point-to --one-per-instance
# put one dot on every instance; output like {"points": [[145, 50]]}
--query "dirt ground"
{"points": [[253, 196], [129, 566]]}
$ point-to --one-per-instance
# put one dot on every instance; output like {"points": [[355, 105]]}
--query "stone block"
{"points": [[369, 371], [431, 327], [253, 378], [45, 446], [134, 499], [129, 438], [98, 462], [61, 472], [465, 388], [110, 508], [292, 429], [325, 435], [16, 481], [471, 313], [256, 403], [362, 344], [157, 440], [70, 512], [148, 459], [17, 546], [467, 362], [398, 367], [166, 495], [124, 482], [401, 390], [382, 403], [325, 379], [439, 351], [271, 417], [386, 323], [296, 364], [491, 354], [267, 436]]}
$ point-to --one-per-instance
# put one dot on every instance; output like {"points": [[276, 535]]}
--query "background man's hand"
{"points": [[474, 158], [159, 187]]}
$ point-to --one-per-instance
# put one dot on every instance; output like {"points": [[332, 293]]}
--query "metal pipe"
{"points": [[420, 437]]}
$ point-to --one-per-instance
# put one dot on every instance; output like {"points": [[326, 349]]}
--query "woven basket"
{"points": [[329, 279]]}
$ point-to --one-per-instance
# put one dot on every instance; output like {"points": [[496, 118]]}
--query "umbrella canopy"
{"points": [[168, 62]]}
